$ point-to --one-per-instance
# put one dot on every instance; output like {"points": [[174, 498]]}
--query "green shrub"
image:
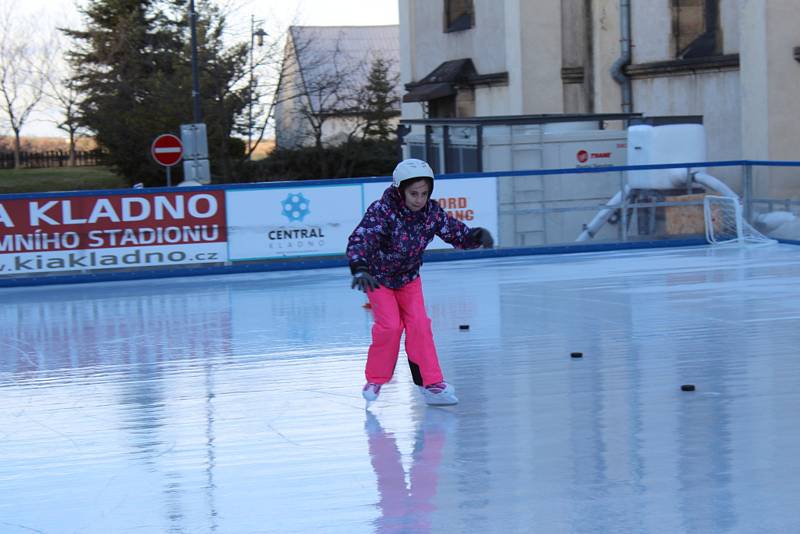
{"points": [[349, 160]]}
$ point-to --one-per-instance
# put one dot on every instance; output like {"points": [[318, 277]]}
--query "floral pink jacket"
{"points": [[390, 239]]}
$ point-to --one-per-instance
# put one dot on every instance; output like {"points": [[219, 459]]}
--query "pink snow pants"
{"points": [[395, 310]]}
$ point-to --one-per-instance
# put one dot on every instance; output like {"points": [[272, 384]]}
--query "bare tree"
{"points": [[62, 96], [263, 78], [331, 93], [319, 82], [24, 65], [66, 99], [266, 37]]}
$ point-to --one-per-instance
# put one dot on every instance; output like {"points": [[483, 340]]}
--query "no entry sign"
{"points": [[167, 150]]}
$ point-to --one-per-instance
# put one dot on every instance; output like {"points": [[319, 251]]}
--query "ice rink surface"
{"points": [[231, 404]]}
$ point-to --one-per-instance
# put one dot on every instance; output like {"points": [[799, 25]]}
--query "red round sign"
{"points": [[582, 156], [167, 150]]}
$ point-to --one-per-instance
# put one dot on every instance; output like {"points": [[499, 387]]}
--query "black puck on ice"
{"points": [[576, 355], [687, 387], [463, 327]]}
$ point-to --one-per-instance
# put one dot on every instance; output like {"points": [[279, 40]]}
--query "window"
{"points": [[694, 28], [461, 104], [442, 108], [459, 15]]}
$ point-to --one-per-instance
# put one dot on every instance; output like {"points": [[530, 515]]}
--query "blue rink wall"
{"points": [[244, 227]]}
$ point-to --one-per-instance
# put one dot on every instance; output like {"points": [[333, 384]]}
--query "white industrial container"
{"points": [[670, 143]]}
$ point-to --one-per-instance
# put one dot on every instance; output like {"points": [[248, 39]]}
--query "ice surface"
{"points": [[232, 404]]}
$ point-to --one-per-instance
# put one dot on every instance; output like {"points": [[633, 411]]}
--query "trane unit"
{"points": [[484, 144], [533, 209]]}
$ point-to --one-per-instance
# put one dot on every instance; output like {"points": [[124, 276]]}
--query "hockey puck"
{"points": [[576, 354], [687, 387], [463, 327]]}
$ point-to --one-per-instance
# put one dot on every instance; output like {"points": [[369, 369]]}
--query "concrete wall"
{"points": [[729, 13], [651, 31], [541, 56], [714, 95], [770, 75]]}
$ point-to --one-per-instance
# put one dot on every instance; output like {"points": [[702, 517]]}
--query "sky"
{"points": [[274, 15]]}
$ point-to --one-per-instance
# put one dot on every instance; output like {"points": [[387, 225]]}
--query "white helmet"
{"points": [[411, 168]]}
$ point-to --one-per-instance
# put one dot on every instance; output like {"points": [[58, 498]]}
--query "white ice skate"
{"points": [[439, 394], [371, 391]]}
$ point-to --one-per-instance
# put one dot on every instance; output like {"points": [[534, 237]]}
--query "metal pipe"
{"points": [[479, 147], [446, 146], [748, 192], [617, 69], [250, 87], [428, 146]]}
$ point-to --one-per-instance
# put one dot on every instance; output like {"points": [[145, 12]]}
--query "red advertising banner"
{"points": [[47, 234]]}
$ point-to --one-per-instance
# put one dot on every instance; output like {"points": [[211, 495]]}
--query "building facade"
{"points": [[732, 62]]}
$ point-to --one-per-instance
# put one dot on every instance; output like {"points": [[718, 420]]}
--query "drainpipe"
{"points": [[625, 58]]}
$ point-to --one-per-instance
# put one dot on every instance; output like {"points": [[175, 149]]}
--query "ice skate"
{"points": [[439, 394], [371, 391]]}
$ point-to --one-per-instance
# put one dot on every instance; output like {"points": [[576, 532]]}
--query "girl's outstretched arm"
{"points": [[458, 234]]}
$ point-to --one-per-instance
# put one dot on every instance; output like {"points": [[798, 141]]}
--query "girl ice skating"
{"points": [[385, 253]]}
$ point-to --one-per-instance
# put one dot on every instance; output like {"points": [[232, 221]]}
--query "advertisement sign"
{"points": [[76, 233], [291, 221], [473, 201]]}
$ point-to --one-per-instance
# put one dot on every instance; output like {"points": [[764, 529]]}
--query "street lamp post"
{"points": [[197, 112], [258, 34], [196, 166]]}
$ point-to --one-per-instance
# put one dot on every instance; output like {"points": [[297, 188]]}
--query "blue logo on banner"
{"points": [[295, 207]]}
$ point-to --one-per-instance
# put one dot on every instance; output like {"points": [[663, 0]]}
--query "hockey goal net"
{"points": [[725, 223]]}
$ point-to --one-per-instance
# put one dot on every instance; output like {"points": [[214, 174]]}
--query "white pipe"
{"points": [[774, 219], [714, 183], [603, 215]]}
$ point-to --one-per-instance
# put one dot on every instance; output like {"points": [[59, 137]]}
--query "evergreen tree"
{"points": [[380, 101], [132, 64]]}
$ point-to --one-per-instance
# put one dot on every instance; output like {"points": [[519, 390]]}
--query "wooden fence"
{"points": [[51, 158]]}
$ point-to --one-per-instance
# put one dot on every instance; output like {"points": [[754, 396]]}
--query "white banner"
{"points": [[472, 201], [21, 263], [111, 231], [300, 220]]}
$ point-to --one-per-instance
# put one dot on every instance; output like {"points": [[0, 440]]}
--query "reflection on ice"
{"points": [[407, 498]]}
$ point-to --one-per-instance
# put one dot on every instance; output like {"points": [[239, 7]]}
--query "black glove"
{"points": [[363, 281], [483, 236]]}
